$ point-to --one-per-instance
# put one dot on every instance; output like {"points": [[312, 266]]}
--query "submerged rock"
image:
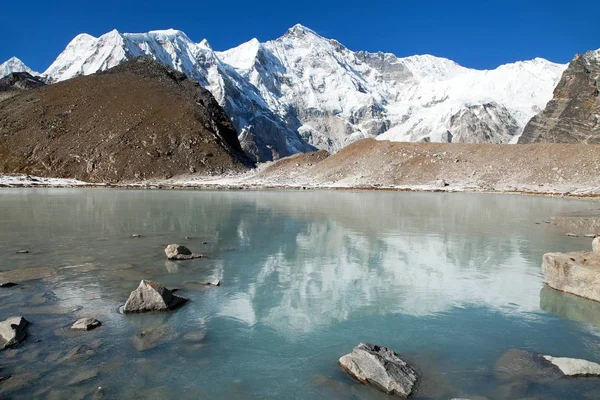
{"points": [[12, 331], [575, 273], [381, 368], [152, 296], [7, 284], [180, 252], [22, 251], [574, 366], [86, 324], [524, 366], [571, 234], [151, 338]]}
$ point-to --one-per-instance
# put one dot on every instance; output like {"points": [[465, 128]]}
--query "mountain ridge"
{"points": [[302, 91]]}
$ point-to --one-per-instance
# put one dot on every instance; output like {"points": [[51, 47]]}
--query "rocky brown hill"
{"points": [[573, 115], [136, 121], [370, 163]]}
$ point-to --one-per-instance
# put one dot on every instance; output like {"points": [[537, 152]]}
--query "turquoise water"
{"points": [[448, 281]]}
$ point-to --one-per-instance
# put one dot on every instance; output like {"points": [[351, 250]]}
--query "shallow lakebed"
{"points": [[449, 281]]}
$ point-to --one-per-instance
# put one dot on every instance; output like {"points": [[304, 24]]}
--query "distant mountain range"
{"points": [[302, 91]]}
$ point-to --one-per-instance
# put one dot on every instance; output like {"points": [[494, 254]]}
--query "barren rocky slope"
{"points": [[573, 114], [369, 163], [139, 120]]}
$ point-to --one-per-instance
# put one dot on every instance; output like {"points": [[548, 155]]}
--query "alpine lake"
{"points": [[451, 282]]}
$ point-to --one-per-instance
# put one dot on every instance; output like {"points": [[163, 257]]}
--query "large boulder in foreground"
{"points": [[574, 366], [381, 368], [576, 273], [180, 252], [152, 296], [12, 331]]}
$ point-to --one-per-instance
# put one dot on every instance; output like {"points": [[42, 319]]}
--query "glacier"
{"points": [[302, 91]]}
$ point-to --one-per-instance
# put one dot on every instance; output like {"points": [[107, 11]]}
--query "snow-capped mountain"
{"points": [[264, 135], [340, 95], [302, 90], [13, 64]]}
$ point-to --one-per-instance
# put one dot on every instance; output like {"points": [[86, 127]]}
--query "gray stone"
{"points": [[590, 235], [22, 251], [12, 331], [381, 368], [596, 245], [180, 252], [576, 273], [86, 324], [574, 366], [152, 296], [571, 234]]}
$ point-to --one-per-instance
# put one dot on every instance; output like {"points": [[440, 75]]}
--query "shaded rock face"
{"points": [[12, 331], [573, 114], [21, 81], [574, 366], [180, 252], [152, 296], [381, 368], [86, 324], [139, 120], [576, 273]]}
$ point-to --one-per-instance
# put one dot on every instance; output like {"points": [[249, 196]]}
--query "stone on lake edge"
{"points": [[152, 296], [85, 324], [12, 331], [180, 252], [574, 367], [380, 368], [576, 273]]}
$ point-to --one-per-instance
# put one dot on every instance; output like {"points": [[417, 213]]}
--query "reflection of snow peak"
{"points": [[396, 274], [239, 307]]}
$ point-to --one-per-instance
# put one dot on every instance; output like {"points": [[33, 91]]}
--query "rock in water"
{"points": [[12, 331], [574, 366], [575, 273], [7, 284], [596, 245], [381, 368], [86, 324], [152, 296], [180, 252]]}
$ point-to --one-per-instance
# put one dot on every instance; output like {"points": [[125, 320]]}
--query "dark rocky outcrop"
{"points": [[20, 81], [381, 368], [573, 115], [139, 120], [152, 296]]}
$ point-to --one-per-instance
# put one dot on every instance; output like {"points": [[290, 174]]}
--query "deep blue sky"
{"points": [[478, 34]]}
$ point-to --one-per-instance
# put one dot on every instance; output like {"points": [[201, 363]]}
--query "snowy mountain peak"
{"points": [[13, 64], [204, 43], [243, 56], [299, 30]]}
